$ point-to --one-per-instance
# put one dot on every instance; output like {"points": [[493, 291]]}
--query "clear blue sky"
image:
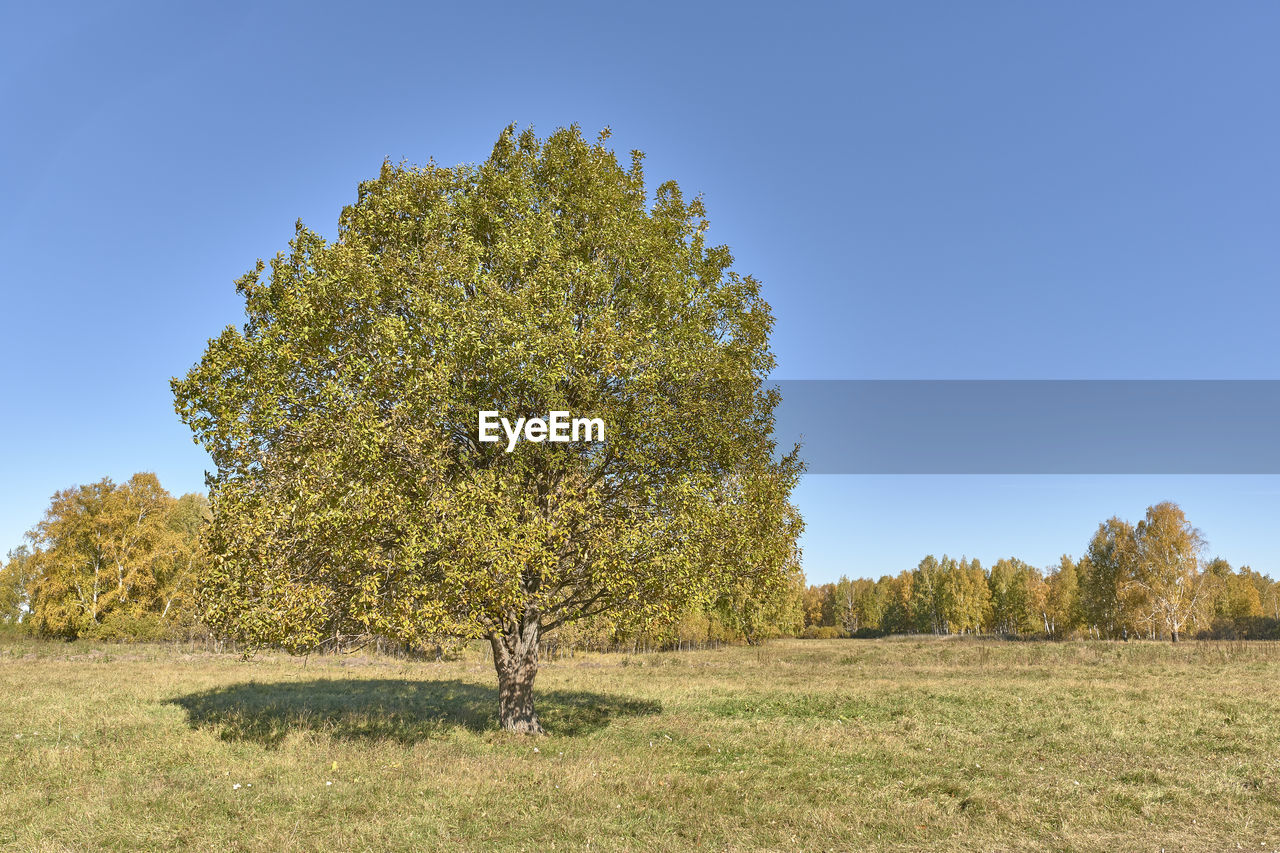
{"points": [[927, 190]]}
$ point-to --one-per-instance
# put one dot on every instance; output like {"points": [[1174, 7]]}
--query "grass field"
{"points": [[897, 744]]}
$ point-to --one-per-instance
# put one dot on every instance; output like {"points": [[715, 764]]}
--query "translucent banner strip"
{"points": [[1032, 426]]}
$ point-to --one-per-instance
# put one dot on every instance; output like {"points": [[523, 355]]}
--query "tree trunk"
{"points": [[515, 657]]}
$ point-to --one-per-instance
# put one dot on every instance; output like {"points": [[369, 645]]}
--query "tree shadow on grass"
{"points": [[387, 709]]}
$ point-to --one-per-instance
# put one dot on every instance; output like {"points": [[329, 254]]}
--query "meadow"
{"points": [[905, 743]]}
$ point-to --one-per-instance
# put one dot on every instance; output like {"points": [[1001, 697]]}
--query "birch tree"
{"points": [[1167, 567]]}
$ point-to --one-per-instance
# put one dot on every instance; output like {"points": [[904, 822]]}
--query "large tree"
{"points": [[1062, 599], [1104, 572], [1167, 568], [1018, 598], [352, 495], [926, 595]]}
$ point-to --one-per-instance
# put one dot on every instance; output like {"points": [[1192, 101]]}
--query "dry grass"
{"points": [[899, 744]]}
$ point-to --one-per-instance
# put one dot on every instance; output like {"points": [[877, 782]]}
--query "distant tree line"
{"points": [[123, 561], [1134, 581]]}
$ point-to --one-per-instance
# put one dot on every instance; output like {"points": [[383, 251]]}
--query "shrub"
{"points": [[1244, 628], [125, 627]]}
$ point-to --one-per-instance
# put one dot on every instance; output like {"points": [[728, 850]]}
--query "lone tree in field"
{"points": [[352, 495]]}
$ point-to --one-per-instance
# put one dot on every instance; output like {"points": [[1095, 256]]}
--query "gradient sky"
{"points": [[927, 190]]}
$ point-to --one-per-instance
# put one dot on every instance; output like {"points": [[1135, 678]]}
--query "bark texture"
{"points": [[515, 657]]}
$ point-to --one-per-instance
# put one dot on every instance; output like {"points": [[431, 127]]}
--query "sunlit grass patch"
{"points": [[896, 744]]}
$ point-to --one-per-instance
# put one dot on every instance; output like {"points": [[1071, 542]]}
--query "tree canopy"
{"points": [[351, 492]]}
